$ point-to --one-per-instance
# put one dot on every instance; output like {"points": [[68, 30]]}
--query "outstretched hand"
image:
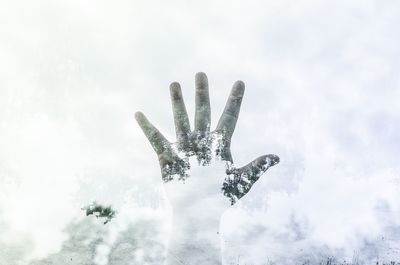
{"points": [[204, 144], [200, 178]]}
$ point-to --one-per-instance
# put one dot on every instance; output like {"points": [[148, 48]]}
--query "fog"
{"points": [[322, 90]]}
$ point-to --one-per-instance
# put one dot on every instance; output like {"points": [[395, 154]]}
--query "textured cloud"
{"points": [[322, 90]]}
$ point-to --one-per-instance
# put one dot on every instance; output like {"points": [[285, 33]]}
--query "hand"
{"points": [[200, 178]]}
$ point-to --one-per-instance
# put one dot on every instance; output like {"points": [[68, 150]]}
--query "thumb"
{"points": [[240, 180]]}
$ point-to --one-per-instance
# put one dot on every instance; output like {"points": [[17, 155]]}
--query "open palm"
{"points": [[200, 178]]}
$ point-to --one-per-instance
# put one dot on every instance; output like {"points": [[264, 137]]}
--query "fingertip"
{"points": [[239, 83], [201, 75], [201, 78], [174, 85], [270, 160], [139, 116], [274, 159], [238, 88], [175, 89]]}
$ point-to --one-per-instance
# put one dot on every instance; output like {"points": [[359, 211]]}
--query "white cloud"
{"points": [[321, 92]]}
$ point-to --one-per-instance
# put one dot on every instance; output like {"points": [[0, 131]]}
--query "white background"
{"points": [[322, 92]]}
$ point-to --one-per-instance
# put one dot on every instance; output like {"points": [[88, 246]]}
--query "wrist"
{"points": [[195, 225], [195, 239]]}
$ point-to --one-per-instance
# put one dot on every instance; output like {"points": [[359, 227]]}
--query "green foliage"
{"points": [[100, 211]]}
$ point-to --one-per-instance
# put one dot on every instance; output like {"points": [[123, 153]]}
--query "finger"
{"points": [[202, 115], [239, 181], [155, 137], [227, 122], [182, 125], [259, 165]]}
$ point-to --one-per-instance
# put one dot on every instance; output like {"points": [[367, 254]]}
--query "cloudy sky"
{"points": [[322, 92]]}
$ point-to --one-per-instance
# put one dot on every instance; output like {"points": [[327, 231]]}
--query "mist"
{"points": [[322, 90]]}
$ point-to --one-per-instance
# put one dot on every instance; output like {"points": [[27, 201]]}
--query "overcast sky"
{"points": [[322, 92]]}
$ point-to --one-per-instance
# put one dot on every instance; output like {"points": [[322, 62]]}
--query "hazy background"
{"points": [[322, 92]]}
